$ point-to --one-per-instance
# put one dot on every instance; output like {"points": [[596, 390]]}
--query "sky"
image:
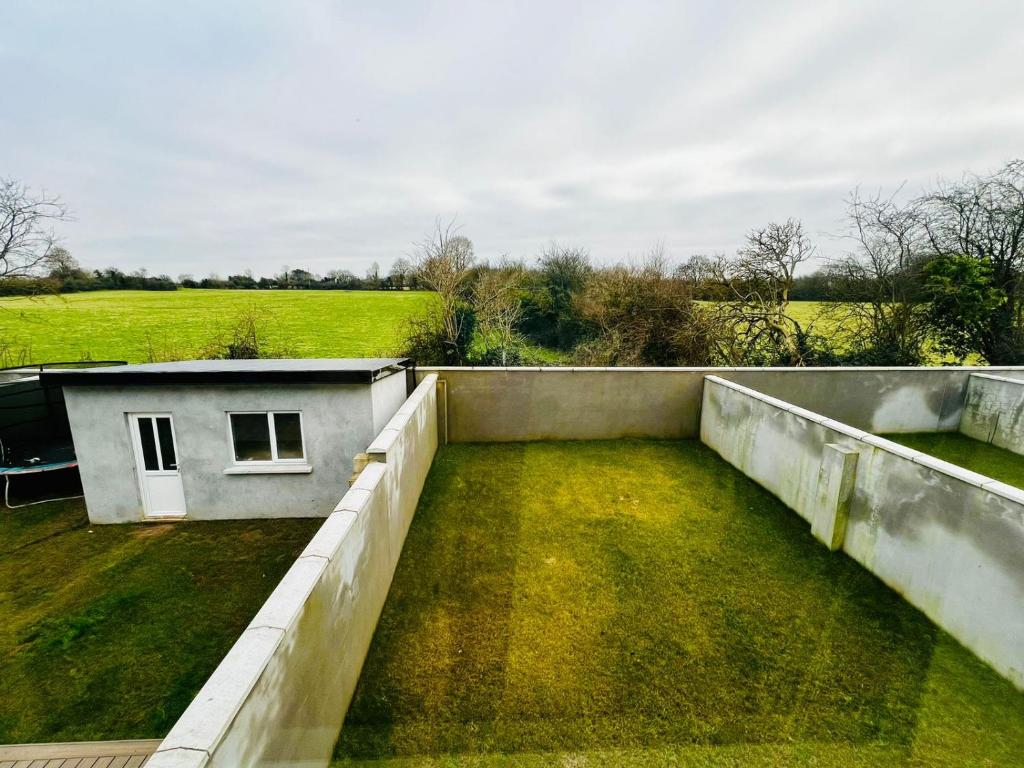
{"points": [[216, 137]]}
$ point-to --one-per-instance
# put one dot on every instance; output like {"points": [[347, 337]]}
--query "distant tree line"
{"points": [[400, 277], [940, 274], [66, 276]]}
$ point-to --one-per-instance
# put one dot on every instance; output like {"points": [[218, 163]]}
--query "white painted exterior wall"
{"points": [[386, 397], [338, 421]]}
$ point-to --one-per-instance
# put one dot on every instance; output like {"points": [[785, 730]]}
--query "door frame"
{"points": [[140, 468]]}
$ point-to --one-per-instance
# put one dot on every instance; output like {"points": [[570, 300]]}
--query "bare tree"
{"points": [[400, 272], [757, 285], [62, 263], [27, 241], [498, 304], [443, 263], [883, 320]]}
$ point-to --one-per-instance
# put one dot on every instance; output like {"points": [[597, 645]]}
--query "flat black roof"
{"points": [[356, 370]]}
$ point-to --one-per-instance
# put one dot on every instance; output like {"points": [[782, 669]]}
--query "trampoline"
{"points": [[35, 436], [56, 460]]}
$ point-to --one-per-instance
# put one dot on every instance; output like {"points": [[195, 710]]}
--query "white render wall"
{"points": [[514, 404], [994, 411], [280, 695], [386, 397], [338, 421], [948, 540]]}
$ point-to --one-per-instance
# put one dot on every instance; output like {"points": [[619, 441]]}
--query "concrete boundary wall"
{"points": [[280, 695], [949, 540], [510, 404], [994, 411]]}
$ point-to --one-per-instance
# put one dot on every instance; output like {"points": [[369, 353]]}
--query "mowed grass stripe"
{"points": [[642, 599]]}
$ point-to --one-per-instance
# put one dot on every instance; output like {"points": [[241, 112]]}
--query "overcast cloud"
{"points": [[191, 137]]}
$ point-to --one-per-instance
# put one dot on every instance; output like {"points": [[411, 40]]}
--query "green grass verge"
{"points": [[964, 451], [109, 631], [126, 325], [641, 603]]}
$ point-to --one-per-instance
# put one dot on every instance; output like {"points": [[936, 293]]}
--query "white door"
{"points": [[156, 458]]}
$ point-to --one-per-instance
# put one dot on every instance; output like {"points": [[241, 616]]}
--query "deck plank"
{"points": [[132, 753]]}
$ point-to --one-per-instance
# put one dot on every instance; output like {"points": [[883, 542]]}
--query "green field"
{"points": [[138, 326], [145, 326], [641, 603]]}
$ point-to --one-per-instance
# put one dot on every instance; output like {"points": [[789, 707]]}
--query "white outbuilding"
{"points": [[222, 439]]}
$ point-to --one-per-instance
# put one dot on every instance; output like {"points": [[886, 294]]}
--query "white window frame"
{"points": [[275, 464]]}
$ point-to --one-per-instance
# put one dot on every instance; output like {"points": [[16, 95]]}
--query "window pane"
{"points": [[148, 445], [163, 431], [252, 436], [288, 428]]}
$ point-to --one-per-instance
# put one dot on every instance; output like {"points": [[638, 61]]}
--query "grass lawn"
{"points": [[125, 325], [641, 603], [109, 631], [957, 448]]}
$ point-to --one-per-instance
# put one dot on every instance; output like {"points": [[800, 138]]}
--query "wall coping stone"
{"points": [[992, 377], [221, 697], [385, 439], [286, 602], [334, 529]]}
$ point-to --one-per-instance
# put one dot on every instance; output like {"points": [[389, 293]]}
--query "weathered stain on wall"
{"points": [[947, 539], [993, 411], [281, 694]]}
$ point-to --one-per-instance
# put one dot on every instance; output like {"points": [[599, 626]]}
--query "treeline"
{"points": [[817, 286], [938, 275], [66, 276], [400, 277]]}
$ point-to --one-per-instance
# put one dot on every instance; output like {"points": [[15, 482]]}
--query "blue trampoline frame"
{"points": [[32, 469]]}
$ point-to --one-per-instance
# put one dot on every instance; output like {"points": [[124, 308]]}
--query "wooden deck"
{"points": [[79, 754]]}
